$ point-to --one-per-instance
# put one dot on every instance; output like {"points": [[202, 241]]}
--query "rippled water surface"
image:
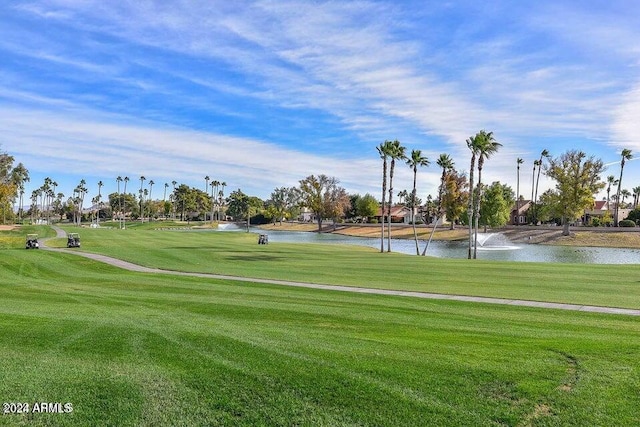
{"points": [[495, 247]]}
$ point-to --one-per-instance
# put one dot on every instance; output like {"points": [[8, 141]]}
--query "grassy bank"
{"points": [[238, 254], [134, 349]]}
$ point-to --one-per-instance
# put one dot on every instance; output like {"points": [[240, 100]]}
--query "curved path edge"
{"points": [[414, 294]]}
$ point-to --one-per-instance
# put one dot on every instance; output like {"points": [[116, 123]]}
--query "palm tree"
{"points": [[397, 153], [99, 200], [118, 181], [636, 196], [487, 146], [214, 191], [403, 196], [626, 155], [611, 180], [543, 154], [149, 198], [624, 193], [164, 200], [82, 191], [21, 207], [142, 179], [383, 150], [446, 163], [416, 159], [173, 208], [20, 175], [473, 145], [124, 193], [221, 197], [518, 162]]}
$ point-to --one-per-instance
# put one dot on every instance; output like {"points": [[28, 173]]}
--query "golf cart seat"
{"points": [[32, 242]]}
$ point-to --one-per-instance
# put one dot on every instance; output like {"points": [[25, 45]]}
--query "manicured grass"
{"points": [[137, 349], [16, 238], [238, 254]]}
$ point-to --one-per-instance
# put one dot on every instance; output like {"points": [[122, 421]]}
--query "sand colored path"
{"points": [[426, 295]]}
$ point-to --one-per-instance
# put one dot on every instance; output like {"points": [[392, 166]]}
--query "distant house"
{"points": [[306, 215], [399, 214], [601, 207], [519, 212]]}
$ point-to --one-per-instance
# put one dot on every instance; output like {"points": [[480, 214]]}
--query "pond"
{"points": [[494, 246]]}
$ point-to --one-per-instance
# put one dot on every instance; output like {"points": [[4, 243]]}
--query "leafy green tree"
{"points": [[549, 207], [577, 181], [237, 204], [322, 195], [634, 215], [241, 206], [121, 201], [185, 201], [455, 196], [283, 201], [497, 201], [366, 206]]}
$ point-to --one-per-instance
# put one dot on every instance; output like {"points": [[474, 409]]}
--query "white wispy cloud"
{"points": [[108, 148], [351, 61]]}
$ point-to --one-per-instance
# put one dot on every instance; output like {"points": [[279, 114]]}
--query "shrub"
{"points": [[626, 223], [374, 221], [595, 222]]}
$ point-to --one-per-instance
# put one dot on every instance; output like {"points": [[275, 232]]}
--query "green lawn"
{"points": [[137, 349], [238, 254]]}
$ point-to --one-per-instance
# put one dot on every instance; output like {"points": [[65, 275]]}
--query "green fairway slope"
{"points": [[142, 349], [238, 254]]}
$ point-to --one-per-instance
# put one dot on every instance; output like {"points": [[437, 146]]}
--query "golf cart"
{"points": [[32, 241], [73, 240]]}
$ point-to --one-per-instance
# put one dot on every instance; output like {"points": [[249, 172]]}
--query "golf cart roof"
{"points": [[73, 235]]}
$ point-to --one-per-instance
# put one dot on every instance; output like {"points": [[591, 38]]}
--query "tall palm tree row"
{"points": [[626, 155], [384, 149], [487, 146], [397, 153], [414, 161]]}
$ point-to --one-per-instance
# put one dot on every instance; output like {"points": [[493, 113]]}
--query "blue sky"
{"points": [[262, 94]]}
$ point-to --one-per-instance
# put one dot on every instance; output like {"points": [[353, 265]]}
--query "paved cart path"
{"points": [[426, 295]]}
